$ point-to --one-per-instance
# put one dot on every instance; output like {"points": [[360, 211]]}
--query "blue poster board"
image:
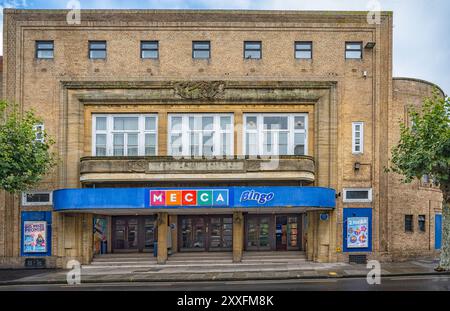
{"points": [[437, 231], [36, 234], [357, 230]]}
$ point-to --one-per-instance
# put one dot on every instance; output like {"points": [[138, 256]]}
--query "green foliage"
{"points": [[23, 160], [424, 146]]}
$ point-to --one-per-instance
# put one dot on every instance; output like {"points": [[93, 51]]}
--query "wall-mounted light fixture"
{"points": [[356, 166], [370, 45]]}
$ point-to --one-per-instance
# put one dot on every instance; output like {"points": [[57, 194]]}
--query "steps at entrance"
{"points": [[199, 260]]}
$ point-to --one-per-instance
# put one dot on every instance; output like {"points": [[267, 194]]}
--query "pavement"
{"points": [[204, 267]]}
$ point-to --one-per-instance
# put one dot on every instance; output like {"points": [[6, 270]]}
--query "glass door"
{"points": [[193, 231], [258, 233], [281, 233], [119, 234], [125, 233], [293, 233], [264, 233], [149, 233], [220, 233]]}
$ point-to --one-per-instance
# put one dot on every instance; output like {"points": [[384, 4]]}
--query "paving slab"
{"points": [[226, 273]]}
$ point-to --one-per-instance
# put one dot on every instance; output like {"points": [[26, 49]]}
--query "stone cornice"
{"points": [[197, 91], [209, 16]]}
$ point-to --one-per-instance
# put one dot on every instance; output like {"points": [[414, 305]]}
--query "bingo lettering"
{"points": [[259, 197]]}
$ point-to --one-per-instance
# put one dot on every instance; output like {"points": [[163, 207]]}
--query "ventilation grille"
{"points": [[361, 259], [35, 263]]}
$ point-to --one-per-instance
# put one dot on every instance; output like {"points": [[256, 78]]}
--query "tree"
{"points": [[424, 149], [24, 159]]}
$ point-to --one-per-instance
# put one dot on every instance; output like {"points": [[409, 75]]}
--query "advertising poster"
{"points": [[35, 236], [357, 232], [100, 227]]}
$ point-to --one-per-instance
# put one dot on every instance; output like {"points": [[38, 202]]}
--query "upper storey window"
{"points": [[44, 49], [252, 49], [201, 49], [200, 134], [124, 135], [150, 49], [97, 49], [303, 50], [275, 134], [357, 137], [353, 50]]}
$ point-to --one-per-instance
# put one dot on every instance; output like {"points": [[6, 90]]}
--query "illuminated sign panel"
{"points": [[194, 197]]}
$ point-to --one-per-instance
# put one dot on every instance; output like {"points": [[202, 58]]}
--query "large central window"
{"points": [[200, 134], [275, 134], [124, 135]]}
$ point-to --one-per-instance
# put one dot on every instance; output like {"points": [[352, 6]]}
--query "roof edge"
{"points": [[421, 81], [212, 11]]}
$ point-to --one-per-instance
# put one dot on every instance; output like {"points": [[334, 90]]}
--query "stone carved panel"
{"points": [[199, 90]]}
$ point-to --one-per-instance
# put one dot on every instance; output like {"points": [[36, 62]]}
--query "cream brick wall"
{"points": [[415, 198]]}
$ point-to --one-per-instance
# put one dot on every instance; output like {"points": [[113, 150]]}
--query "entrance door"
{"points": [[220, 233], [125, 234], [193, 235], [150, 233], [258, 233], [133, 233], [294, 232], [281, 233], [206, 233]]}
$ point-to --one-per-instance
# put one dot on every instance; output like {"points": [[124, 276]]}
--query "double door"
{"points": [[273, 232], [206, 233], [133, 233]]}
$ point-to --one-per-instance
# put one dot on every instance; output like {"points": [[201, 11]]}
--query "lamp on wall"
{"points": [[370, 45], [356, 166]]}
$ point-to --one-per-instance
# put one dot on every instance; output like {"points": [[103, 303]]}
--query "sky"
{"points": [[421, 27]]}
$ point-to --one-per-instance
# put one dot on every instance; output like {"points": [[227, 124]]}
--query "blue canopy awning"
{"points": [[181, 198]]}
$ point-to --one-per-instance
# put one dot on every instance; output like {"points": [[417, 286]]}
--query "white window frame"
{"points": [[110, 131], [185, 139], [361, 137], [26, 203], [368, 200], [260, 131], [40, 127]]}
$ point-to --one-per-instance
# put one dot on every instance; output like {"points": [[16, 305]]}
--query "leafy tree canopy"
{"points": [[424, 146], [24, 160]]}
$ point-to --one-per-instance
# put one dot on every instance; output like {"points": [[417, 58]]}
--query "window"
{"points": [[44, 49], [421, 222], [409, 223], [201, 49], [37, 198], [39, 132], [200, 134], [275, 134], [357, 137], [124, 135], [97, 49], [303, 50], [150, 49], [353, 50], [357, 195], [252, 49]]}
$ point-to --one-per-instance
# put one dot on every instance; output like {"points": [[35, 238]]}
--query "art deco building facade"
{"points": [[214, 131]]}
